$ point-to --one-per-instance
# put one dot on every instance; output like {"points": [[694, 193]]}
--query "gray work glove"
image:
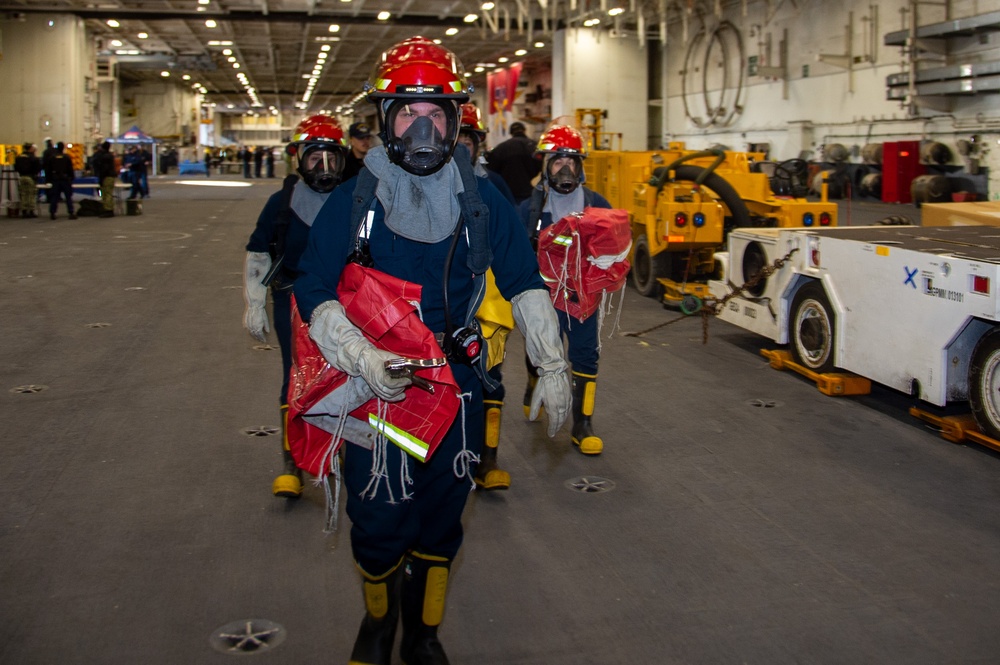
{"points": [[344, 346], [255, 295], [536, 317]]}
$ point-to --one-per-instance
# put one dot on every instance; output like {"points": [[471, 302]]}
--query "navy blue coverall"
{"points": [[281, 292], [381, 532]]}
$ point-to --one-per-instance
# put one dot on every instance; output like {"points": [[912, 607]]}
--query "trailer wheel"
{"points": [[647, 269], [984, 383], [811, 328]]}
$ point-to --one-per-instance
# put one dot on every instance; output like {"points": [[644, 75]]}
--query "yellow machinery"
{"points": [[682, 203]]}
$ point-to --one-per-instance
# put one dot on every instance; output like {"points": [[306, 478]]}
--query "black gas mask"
{"points": [[325, 174], [567, 177], [421, 149]]}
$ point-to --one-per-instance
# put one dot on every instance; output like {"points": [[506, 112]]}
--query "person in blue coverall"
{"points": [[319, 150], [433, 223], [560, 192]]}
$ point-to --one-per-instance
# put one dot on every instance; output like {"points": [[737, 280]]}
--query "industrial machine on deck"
{"points": [[682, 204]]}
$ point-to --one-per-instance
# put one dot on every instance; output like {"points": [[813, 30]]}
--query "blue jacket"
{"points": [[267, 222], [330, 243]]}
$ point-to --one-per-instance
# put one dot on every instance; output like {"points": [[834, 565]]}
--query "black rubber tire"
{"points": [[984, 383], [812, 329], [647, 269]]}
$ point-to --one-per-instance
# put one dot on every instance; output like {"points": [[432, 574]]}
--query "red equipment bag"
{"points": [[572, 251], [321, 396]]}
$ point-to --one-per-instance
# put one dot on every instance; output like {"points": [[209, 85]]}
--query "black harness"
{"points": [[475, 219], [280, 277]]}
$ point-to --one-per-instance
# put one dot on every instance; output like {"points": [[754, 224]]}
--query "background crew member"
{"points": [[59, 174], [258, 161], [514, 160], [361, 143], [423, 231], [494, 317], [318, 150], [28, 167], [103, 163], [559, 193]]}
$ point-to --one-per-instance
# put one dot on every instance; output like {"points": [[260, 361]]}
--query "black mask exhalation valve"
{"points": [[564, 180]]}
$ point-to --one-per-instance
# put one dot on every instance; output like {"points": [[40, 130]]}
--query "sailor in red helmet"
{"points": [[421, 216], [318, 150], [560, 192]]}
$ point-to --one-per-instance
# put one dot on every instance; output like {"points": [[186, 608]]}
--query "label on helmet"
{"points": [[419, 89]]}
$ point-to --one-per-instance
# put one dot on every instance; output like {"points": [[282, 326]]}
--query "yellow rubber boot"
{"points": [[489, 476], [289, 484], [373, 645], [584, 390], [425, 585]]}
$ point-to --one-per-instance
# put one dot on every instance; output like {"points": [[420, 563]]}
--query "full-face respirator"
{"points": [[421, 149], [566, 178]]}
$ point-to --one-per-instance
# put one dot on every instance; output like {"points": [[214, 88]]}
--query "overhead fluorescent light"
{"points": [[113, 23], [383, 16], [210, 23]]}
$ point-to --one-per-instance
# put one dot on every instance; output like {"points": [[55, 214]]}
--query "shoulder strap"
{"points": [[477, 220], [535, 211], [364, 192], [284, 217]]}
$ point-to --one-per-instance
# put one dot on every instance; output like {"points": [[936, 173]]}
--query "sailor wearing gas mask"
{"points": [[421, 215], [560, 192], [318, 149]]}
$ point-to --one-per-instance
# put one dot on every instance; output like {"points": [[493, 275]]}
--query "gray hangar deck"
{"points": [[750, 518]]}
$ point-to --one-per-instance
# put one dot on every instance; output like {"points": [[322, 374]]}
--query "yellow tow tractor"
{"points": [[683, 203]]}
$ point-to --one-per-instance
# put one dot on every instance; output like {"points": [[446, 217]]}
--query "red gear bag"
{"points": [[320, 395], [577, 285]]}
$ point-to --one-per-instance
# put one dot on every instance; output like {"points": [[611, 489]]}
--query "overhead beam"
{"points": [[271, 16]]}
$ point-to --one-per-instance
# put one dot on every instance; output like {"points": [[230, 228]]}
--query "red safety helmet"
{"points": [[413, 71], [319, 133], [561, 140], [472, 120]]}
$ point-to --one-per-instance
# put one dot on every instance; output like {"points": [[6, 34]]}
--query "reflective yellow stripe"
{"points": [[566, 241], [409, 443]]}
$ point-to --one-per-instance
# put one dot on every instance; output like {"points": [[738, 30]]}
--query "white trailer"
{"points": [[913, 308]]}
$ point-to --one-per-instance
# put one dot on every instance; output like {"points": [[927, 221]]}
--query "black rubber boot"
{"points": [[489, 476], [584, 389], [289, 484], [378, 629], [425, 584]]}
